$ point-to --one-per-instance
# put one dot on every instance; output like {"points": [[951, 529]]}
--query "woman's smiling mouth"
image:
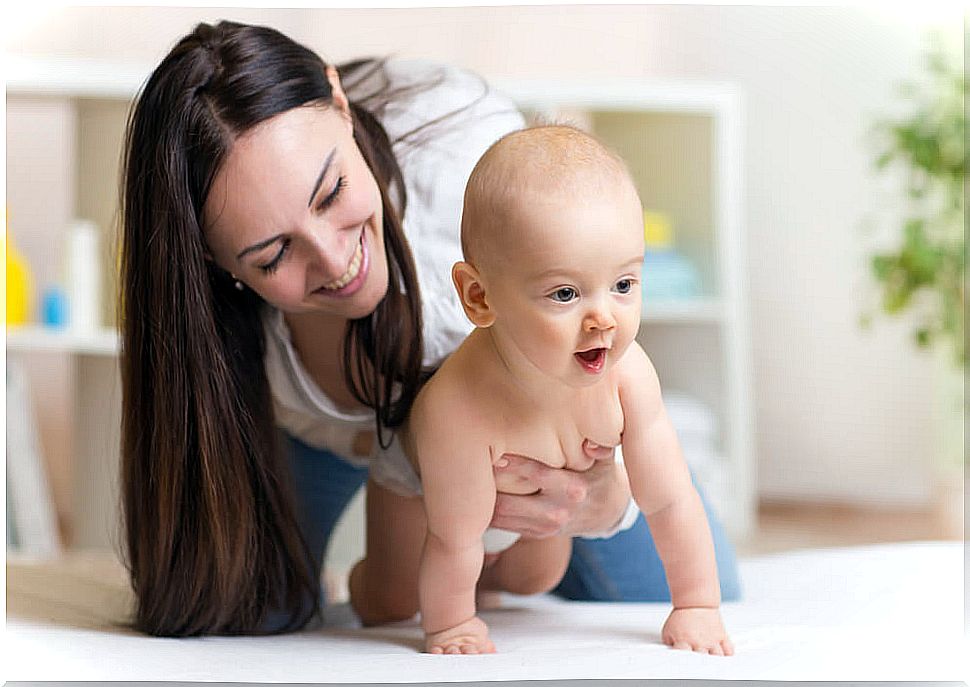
{"points": [[353, 278]]}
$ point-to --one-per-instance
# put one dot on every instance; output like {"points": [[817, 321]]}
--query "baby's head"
{"points": [[552, 235], [532, 172]]}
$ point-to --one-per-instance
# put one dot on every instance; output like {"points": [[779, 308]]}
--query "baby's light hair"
{"points": [[547, 161]]}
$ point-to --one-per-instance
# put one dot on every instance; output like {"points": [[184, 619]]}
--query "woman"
{"points": [[269, 284]]}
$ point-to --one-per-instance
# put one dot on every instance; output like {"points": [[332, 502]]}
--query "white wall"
{"points": [[841, 413]]}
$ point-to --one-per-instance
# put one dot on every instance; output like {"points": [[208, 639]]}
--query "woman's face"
{"points": [[295, 214]]}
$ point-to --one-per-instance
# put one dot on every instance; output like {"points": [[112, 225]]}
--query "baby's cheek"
{"points": [[552, 339], [629, 324]]}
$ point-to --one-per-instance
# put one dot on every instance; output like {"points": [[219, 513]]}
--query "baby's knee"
{"points": [[531, 584], [379, 604], [535, 579], [392, 609], [381, 609]]}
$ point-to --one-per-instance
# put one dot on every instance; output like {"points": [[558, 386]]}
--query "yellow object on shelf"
{"points": [[19, 285], [657, 233]]}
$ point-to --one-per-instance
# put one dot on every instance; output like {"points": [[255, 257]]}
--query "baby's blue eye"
{"points": [[563, 295], [624, 285]]}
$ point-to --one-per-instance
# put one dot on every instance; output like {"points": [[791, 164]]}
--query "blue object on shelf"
{"points": [[54, 309], [668, 275]]}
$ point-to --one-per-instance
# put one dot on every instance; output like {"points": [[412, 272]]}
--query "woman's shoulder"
{"points": [[409, 94]]}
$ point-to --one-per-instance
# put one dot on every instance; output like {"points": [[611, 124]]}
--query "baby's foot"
{"points": [[469, 637]]}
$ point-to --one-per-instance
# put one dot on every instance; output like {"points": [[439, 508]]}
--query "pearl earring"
{"points": [[239, 284]]}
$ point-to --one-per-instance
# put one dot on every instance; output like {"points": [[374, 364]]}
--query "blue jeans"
{"points": [[625, 567]]}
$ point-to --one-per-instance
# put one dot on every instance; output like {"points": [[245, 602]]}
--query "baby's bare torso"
{"points": [[553, 435], [498, 419]]}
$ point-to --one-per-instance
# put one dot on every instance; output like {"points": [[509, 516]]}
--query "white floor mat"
{"points": [[887, 612]]}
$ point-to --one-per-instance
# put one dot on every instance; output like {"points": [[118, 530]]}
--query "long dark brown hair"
{"points": [[212, 538]]}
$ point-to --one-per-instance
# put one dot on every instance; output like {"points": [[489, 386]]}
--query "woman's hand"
{"points": [[562, 501]]}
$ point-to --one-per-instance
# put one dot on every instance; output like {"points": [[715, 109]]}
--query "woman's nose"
{"points": [[330, 251]]}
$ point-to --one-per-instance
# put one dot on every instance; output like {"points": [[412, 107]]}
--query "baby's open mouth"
{"points": [[592, 360]]}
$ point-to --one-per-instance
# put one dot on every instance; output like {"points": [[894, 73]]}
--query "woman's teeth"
{"points": [[351, 272]]}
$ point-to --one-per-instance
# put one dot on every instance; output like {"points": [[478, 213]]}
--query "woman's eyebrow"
{"points": [[323, 173], [259, 246]]}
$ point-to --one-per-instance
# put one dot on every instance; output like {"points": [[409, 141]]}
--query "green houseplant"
{"points": [[925, 274]]}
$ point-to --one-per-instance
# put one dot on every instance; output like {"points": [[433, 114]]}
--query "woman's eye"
{"points": [[563, 295], [271, 266], [624, 286], [332, 196]]}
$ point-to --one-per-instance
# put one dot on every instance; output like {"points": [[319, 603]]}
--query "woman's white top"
{"points": [[435, 164]]}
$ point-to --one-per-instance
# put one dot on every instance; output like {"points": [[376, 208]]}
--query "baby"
{"points": [[552, 235]]}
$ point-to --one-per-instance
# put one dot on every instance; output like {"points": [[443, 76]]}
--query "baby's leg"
{"points": [[530, 566], [384, 585]]}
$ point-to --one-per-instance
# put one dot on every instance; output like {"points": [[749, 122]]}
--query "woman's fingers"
{"points": [[536, 515], [560, 485], [536, 500]]}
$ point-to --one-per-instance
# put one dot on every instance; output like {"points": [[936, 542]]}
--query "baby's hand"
{"points": [[469, 637], [697, 629]]}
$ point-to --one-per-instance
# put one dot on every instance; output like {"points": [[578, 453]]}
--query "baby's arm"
{"points": [[662, 487], [459, 497]]}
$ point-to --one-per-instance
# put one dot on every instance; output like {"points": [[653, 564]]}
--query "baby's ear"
{"points": [[471, 291]]}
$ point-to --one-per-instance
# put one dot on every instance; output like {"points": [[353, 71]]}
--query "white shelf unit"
{"points": [[700, 347], [683, 142], [97, 424], [100, 92], [103, 342]]}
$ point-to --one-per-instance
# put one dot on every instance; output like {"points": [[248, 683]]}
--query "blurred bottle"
{"points": [[667, 275], [19, 283], [84, 276], [55, 310]]}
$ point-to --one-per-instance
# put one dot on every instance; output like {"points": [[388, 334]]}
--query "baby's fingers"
{"points": [[728, 647], [462, 648]]}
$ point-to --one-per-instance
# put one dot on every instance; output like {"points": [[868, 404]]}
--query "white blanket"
{"points": [[887, 612]]}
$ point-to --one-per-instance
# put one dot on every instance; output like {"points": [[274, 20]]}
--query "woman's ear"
{"points": [[471, 291], [340, 101]]}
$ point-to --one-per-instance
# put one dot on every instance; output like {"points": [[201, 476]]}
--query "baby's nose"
{"points": [[599, 319]]}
